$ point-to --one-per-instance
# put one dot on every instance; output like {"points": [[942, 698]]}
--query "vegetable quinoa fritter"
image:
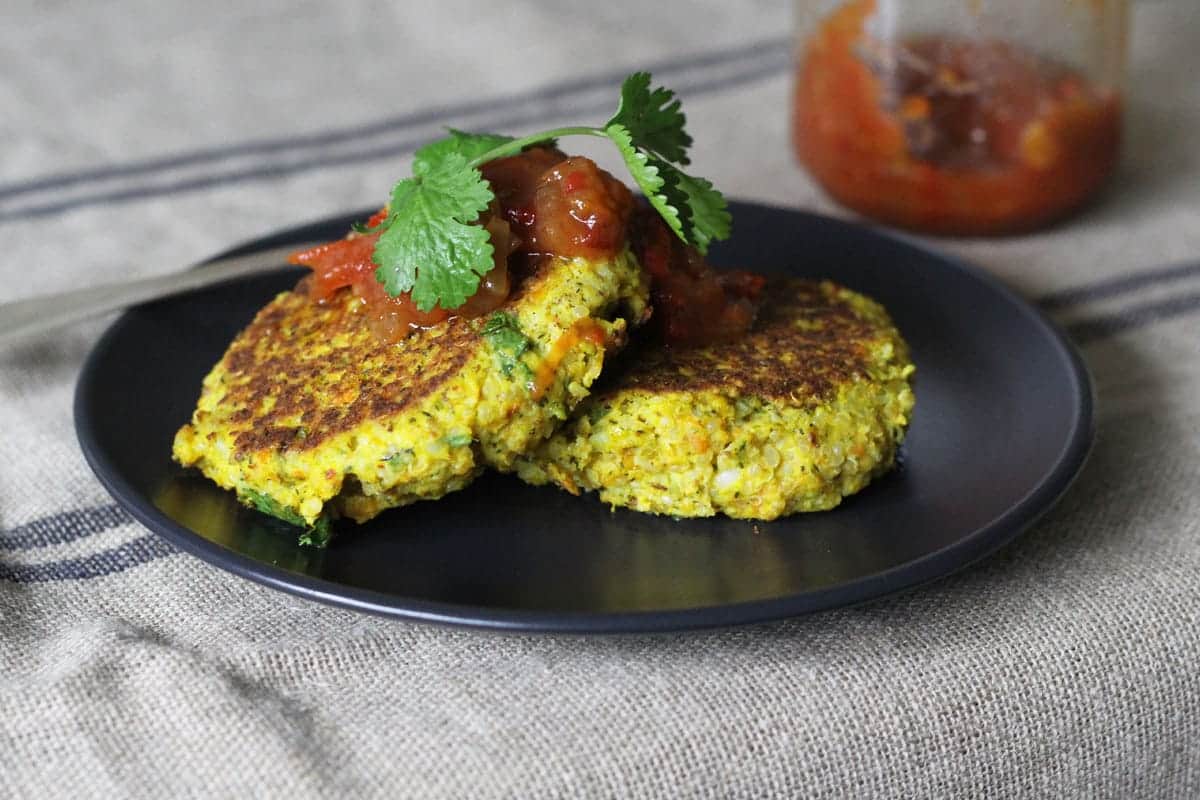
{"points": [[804, 410], [311, 414]]}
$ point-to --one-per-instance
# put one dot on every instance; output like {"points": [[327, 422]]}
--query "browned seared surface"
{"points": [[807, 341], [302, 372]]}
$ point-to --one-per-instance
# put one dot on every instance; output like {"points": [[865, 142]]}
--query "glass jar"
{"points": [[959, 116]]}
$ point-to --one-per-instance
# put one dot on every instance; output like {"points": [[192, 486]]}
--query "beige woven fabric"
{"points": [[1064, 666]]}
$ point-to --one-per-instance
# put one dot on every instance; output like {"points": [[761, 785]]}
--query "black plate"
{"points": [[1003, 423]]}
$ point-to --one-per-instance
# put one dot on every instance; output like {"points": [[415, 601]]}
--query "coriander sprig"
{"points": [[428, 245]]}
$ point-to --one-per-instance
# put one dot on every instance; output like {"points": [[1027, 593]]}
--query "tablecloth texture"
{"points": [[138, 137]]}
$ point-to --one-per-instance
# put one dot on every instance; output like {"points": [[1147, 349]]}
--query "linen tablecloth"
{"points": [[137, 137]]}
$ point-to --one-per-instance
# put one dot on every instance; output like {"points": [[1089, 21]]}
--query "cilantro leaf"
{"points": [[649, 177], [652, 118], [459, 439], [468, 145], [271, 507], [690, 206], [316, 535], [429, 247], [504, 333], [708, 216]]}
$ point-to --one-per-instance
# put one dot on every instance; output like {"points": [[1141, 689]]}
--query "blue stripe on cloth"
{"points": [[550, 92], [265, 171], [1086, 331], [1117, 286], [63, 527], [108, 562], [750, 63]]}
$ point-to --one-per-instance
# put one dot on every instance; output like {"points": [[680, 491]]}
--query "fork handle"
{"points": [[40, 314]]}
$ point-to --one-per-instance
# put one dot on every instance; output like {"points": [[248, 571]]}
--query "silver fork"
{"points": [[40, 314]]}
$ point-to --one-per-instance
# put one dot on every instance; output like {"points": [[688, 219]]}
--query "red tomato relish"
{"points": [[949, 135], [693, 303], [548, 204]]}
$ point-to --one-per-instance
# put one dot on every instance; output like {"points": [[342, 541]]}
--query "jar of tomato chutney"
{"points": [[960, 116]]}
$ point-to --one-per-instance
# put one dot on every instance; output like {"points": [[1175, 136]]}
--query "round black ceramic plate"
{"points": [[1002, 424]]}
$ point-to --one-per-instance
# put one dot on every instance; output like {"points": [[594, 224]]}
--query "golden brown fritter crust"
{"points": [[292, 389], [303, 372], [798, 317]]}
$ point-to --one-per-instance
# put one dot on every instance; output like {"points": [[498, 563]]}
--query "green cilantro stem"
{"points": [[517, 145]]}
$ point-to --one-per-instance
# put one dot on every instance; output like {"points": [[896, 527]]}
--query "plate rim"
{"points": [[964, 551]]}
